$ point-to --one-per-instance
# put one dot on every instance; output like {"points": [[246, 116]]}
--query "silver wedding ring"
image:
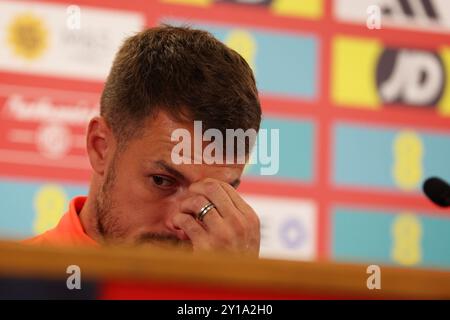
{"points": [[204, 211]]}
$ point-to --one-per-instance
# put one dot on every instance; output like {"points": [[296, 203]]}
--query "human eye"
{"points": [[163, 182]]}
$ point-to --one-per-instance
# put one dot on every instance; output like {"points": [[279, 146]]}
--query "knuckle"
{"points": [[222, 238], [208, 179], [191, 227], [257, 221], [181, 219], [211, 186], [198, 202], [254, 220], [239, 228], [185, 219]]}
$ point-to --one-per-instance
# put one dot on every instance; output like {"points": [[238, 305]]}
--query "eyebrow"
{"points": [[166, 167], [169, 169]]}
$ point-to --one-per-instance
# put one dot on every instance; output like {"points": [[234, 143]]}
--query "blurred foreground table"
{"points": [[125, 273]]}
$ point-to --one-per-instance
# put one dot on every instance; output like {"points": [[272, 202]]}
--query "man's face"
{"points": [[142, 189]]}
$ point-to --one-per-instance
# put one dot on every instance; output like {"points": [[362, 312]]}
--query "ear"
{"points": [[100, 144]]}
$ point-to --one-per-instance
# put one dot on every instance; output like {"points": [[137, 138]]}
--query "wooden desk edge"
{"points": [[159, 265]]}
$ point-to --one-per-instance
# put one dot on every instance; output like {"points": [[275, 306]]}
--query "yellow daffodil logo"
{"points": [[27, 36]]}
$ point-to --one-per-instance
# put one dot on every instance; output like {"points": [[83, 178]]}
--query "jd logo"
{"points": [[421, 12], [412, 77]]}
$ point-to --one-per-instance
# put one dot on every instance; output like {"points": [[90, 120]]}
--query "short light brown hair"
{"points": [[185, 72]]}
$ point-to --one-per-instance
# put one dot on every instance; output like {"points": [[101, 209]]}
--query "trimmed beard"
{"points": [[108, 224]]}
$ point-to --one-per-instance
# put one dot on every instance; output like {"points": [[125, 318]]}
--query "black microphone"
{"points": [[438, 191]]}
